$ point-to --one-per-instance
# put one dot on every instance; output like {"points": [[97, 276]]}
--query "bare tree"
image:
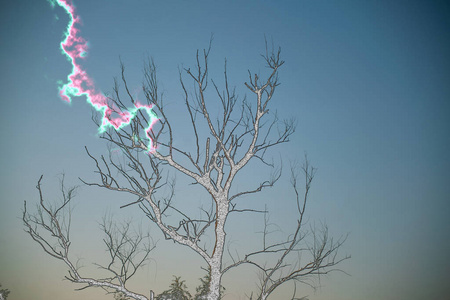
{"points": [[222, 146], [50, 228]]}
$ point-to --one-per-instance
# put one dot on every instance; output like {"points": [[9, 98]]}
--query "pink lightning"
{"points": [[74, 47]]}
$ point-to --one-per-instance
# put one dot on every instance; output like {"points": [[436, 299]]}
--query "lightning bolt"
{"points": [[75, 47]]}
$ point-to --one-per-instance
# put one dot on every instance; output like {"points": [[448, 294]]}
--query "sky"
{"points": [[366, 81]]}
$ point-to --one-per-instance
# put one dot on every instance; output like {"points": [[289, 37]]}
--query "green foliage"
{"points": [[203, 289], [178, 291], [4, 293]]}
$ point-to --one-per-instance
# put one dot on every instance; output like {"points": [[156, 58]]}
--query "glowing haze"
{"points": [[74, 47]]}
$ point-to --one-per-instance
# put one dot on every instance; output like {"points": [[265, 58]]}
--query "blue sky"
{"points": [[367, 81]]}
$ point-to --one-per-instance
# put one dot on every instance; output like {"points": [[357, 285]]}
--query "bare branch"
{"points": [[320, 255], [49, 227]]}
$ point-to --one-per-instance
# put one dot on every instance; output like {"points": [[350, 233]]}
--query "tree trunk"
{"points": [[216, 261]]}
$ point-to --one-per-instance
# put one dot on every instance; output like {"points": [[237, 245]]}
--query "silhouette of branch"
{"points": [[50, 228]]}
